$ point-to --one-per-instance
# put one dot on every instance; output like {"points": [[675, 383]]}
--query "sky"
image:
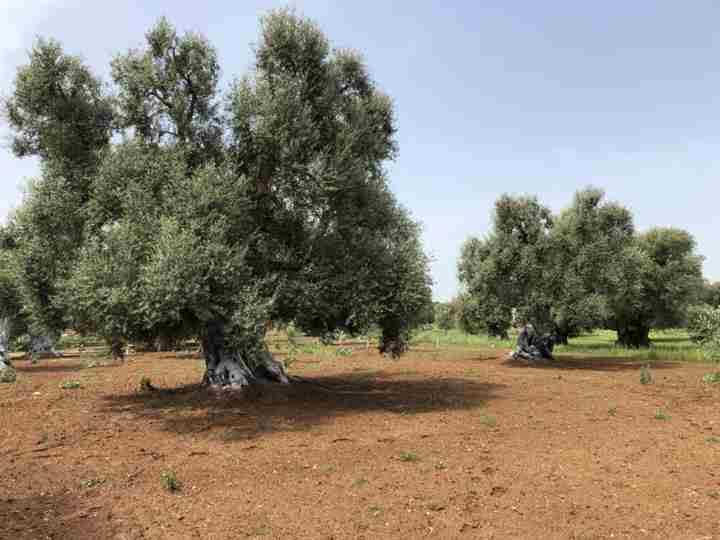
{"points": [[491, 97]]}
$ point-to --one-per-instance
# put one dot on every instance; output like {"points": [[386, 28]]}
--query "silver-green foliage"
{"points": [[217, 209], [704, 329], [576, 271]]}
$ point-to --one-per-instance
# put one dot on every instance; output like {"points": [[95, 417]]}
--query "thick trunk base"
{"points": [[43, 347], [7, 372], [634, 337], [238, 371]]}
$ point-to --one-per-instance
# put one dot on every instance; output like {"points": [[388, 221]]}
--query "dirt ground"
{"points": [[450, 444]]}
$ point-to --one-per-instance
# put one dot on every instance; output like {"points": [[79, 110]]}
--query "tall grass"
{"points": [[669, 345], [455, 337]]}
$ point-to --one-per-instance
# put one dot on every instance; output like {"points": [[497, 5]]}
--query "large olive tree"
{"points": [[661, 279], [580, 270], [210, 213]]}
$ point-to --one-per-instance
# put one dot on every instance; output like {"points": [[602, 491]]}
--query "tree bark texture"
{"points": [[231, 367], [7, 372], [43, 346], [633, 336]]}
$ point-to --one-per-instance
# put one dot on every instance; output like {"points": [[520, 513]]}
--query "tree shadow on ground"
{"points": [[590, 364], [50, 367], [54, 516], [301, 405]]}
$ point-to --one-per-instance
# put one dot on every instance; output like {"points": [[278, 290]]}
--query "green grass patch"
{"points": [[456, 337], [712, 378], [661, 415], [488, 420], [70, 385], [669, 345], [91, 483], [409, 457]]}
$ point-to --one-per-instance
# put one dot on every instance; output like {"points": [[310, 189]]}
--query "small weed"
{"points": [[436, 506], [660, 415], [375, 510], [714, 494], [92, 364], [712, 378], [70, 385], [440, 466], [360, 482], [408, 457], [291, 356], [488, 420], [612, 411], [645, 375], [261, 530], [8, 375], [146, 385], [92, 483], [234, 435], [170, 481], [713, 440], [327, 468], [343, 351]]}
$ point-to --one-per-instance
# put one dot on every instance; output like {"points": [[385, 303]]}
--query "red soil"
{"points": [[450, 444]]}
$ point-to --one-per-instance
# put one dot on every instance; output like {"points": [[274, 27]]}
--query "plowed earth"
{"points": [[441, 444]]}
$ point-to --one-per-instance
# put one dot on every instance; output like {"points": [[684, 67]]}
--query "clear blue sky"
{"points": [[491, 97]]}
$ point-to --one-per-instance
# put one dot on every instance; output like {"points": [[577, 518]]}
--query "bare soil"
{"points": [[441, 444]]}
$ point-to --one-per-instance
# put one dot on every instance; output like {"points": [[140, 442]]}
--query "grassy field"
{"points": [[674, 345]]}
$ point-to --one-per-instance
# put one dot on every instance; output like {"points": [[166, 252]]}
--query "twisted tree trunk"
{"points": [[7, 372], [43, 346], [634, 336], [235, 367]]}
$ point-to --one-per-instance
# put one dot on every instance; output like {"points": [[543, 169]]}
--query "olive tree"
{"points": [[588, 238], [211, 213], [59, 113], [509, 272], [661, 279], [577, 271]]}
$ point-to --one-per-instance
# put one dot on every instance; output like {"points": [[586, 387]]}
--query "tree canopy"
{"points": [[189, 211], [582, 269]]}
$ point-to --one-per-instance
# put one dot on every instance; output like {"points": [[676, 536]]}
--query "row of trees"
{"points": [[582, 269], [167, 208]]}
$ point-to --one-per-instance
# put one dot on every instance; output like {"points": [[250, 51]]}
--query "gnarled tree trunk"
{"points": [[633, 336], [7, 372], [234, 367], [43, 346]]}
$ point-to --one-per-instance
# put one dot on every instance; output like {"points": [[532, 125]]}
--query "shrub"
{"points": [[170, 481], [704, 329], [70, 385], [8, 375]]}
